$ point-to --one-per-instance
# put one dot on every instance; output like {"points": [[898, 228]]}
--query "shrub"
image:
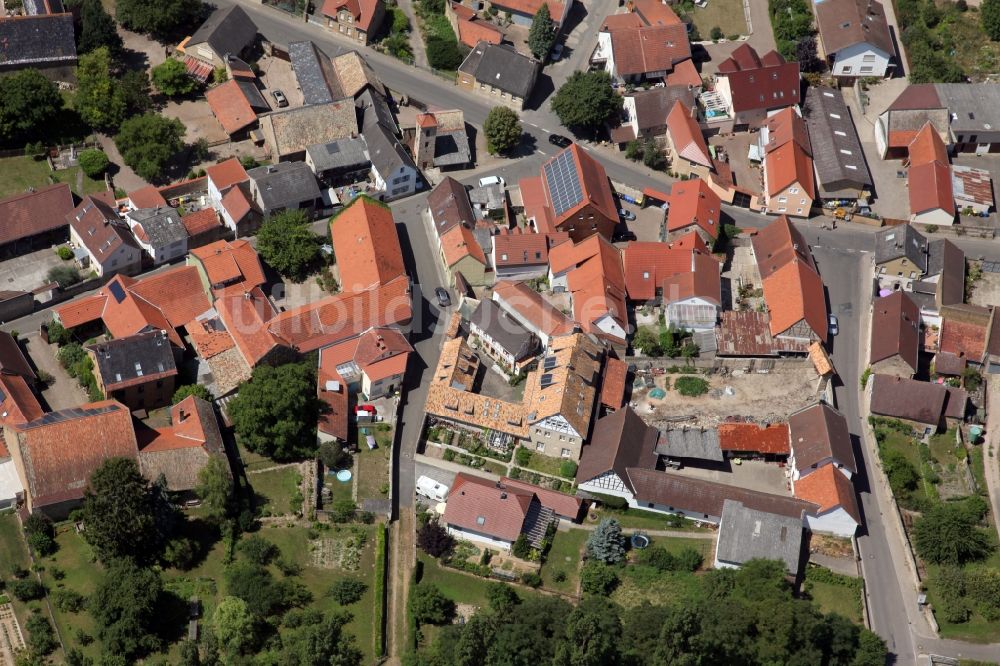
{"points": [[599, 579], [523, 456], [531, 579], [258, 550], [716, 33], [689, 559], [94, 163], [433, 539], [567, 469], [26, 589], [559, 576], [606, 543], [429, 606], [64, 276], [68, 601], [691, 386], [342, 511], [40, 534], [64, 253], [443, 53], [347, 591], [41, 637], [521, 547]]}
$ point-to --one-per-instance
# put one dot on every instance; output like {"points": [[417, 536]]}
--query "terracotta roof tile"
{"points": [[770, 439], [613, 383], [760, 83], [649, 49], [366, 245], [694, 204], [363, 11], [789, 165], [895, 329], [647, 264], [19, 404], [818, 433], [227, 262], [963, 339], [927, 146], [458, 243], [230, 106], [686, 137], [704, 281], [531, 307], [562, 504], [930, 188], [147, 197], [794, 293], [595, 278], [830, 489], [201, 222], [480, 505], [654, 12], [32, 213], [785, 126], [226, 174], [245, 312]]}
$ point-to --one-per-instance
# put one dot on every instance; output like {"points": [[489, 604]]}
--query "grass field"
{"points": [[896, 441], [565, 556], [834, 593], [276, 489], [373, 466], [545, 464], [17, 174], [641, 583], [676, 544], [726, 14], [637, 519]]}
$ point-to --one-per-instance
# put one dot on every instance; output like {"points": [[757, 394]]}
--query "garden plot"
{"points": [[341, 551]]}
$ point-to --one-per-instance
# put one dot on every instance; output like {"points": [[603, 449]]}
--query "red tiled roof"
{"points": [[649, 49], [594, 187], [777, 244], [531, 7], [335, 419], [524, 249], [685, 74], [202, 221], [830, 489], [613, 383], [704, 281], [771, 439], [785, 126], [654, 12], [363, 11], [207, 340], [927, 146], [595, 278], [789, 165], [61, 451], [694, 204], [536, 204], [177, 292], [33, 213], [760, 83], [530, 305], [471, 30], [230, 106], [648, 264], [227, 261], [795, 292], [483, 506], [236, 203], [458, 243], [245, 312], [562, 504], [686, 136], [19, 404], [930, 188], [366, 245], [622, 21], [147, 197], [691, 240], [963, 339], [226, 174]]}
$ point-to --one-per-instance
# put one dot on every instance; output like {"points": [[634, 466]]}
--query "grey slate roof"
{"points": [[652, 106], [386, 153], [162, 225], [819, 432], [227, 31], [505, 330], [344, 153], [502, 67], [135, 359], [745, 534], [449, 205], [375, 109], [37, 40], [314, 73], [700, 443], [452, 149], [284, 183], [831, 132], [37, 7], [900, 241], [975, 107]]}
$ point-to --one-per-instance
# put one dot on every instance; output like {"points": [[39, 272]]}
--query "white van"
{"points": [[486, 181], [431, 489]]}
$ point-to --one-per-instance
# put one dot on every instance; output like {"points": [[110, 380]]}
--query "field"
{"points": [[565, 556], [17, 174], [834, 593], [726, 14], [277, 490], [373, 466]]}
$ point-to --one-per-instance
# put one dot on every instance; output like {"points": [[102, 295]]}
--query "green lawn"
{"points": [[81, 574], [897, 441], [835, 593], [676, 544], [17, 174], [253, 461], [13, 553], [637, 519], [460, 587], [978, 466], [726, 14], [638, 584], [565, 556], [943, 448], [276, 489], [545, 464], [373, 466]]}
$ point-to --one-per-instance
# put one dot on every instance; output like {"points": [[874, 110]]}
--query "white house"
{"points": [[833, 493], [393, 170], [103, 241], [854, 37]]}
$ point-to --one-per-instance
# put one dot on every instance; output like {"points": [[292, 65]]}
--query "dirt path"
{"points": [[403, 557]]}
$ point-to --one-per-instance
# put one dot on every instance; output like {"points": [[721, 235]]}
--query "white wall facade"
{"points": [[469, 535], [837, 522], [860, 60], [610, 326], [400, 183], [935, 216]]}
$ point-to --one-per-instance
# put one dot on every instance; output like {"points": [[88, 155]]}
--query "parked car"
{"points": [[626, 214], [486, 181], [623, 235], [834, 324], [557, 52], [280, 98], [443, 297], [365, 408], [560, 140]]}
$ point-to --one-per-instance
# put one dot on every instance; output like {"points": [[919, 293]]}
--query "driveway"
{"points": [[63, 393], [29, 271], [199, 121]]}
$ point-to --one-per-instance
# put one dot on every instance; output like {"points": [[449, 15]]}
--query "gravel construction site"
{"points": [[764, 397]]}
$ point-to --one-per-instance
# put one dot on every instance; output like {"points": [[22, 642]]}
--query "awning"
{"points": [[198, 69]]}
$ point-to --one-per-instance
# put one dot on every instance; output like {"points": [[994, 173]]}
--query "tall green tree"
{"points": [[29, 103], [429, 605], [275, 413], [161, 19], [97, 99], [319, 639], [215, 488], [125, 607], [148, 142], [97, 29], [197, 390], [989, 18], [119, 513], [503, 130], [593, 632], [287, 244], [133, 88], [949, 534], [233, 625], [172, 79], [542, 34], [586, 101], [606, 543]]}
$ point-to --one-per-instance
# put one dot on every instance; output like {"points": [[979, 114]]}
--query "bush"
{"points": [[197, 390], [347, 591], [716, 33], [531, 579], [689, 559], [64, 276], [433, 539], [40, 534], [691, 386], [69, 601], [26, 589], [567, 469], [64, 253], [258, 550], [521, 547], [429, 606], [342, 511], [443, 53], [94, 162], [523, 456], [599, 579], [41, 637]]}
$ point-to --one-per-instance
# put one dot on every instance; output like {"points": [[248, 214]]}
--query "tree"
{"points": [[286, 243], [542, 34], [58, 333], [64, 276], [147, 143], [161, 19], [233, 625], [652, 156], [521, 547], [989, 18], [689, 559], [40, 534], [503, 129], [94, 162], [347, 591], [805, 54], [871, 650], [258, 550], [319, 640], [215, 488], [275, 413], [647, 342], [119, 513], [333, 456], [429, 606], [41, 637], [443, 54], [133, 88], [172, 79], [586, 101], [26, 589], [593, 631], [97, 100], [948, 534], [29, 103], [189, 654], [433, 539], [597, 578], [265, 596], [125, 607], [196, 390], [633, 150], [97, 29], [502, 598], [606, 543]]}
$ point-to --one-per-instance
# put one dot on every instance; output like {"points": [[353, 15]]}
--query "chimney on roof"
{"points": [[503, 496]]}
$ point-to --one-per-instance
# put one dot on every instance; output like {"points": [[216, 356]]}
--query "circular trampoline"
{"points": [[640, 541]]}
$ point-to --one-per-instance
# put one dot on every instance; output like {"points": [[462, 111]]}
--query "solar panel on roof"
{"points": [[549, 363], [563, 181], [546, 380], [116, 290]]}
